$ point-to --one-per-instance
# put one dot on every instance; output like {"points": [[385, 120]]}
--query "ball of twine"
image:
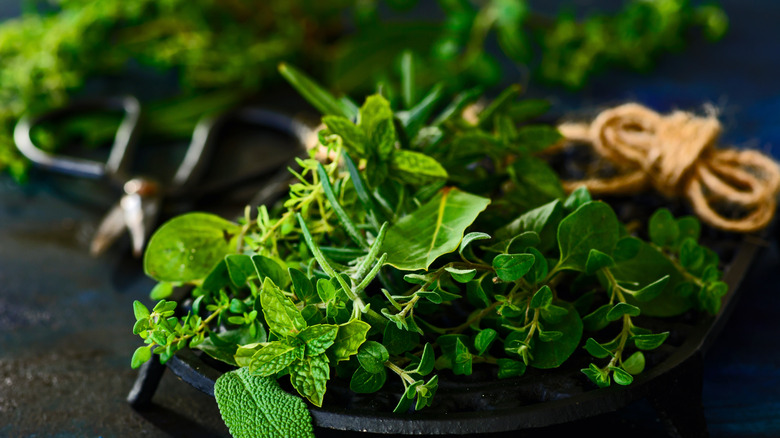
{"points": [[676, 155]]}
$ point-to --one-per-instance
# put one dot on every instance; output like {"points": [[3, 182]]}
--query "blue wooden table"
{"points": [[65, 318]]}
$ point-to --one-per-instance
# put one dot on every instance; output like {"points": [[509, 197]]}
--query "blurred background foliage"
{"points": [[192, 57]]}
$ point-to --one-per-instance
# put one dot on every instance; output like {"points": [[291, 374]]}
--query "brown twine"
{"points": [[675, 154]]}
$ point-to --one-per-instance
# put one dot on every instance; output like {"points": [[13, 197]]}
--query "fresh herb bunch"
{"points": [[396, 258], [203, 46]]}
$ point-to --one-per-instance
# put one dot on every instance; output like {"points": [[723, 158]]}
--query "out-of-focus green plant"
{"points": [[233, 47]]}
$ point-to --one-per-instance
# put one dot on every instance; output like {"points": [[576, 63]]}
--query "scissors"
{"points": [[139, 206]]}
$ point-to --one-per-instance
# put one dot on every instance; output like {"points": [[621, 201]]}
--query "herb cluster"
{"points": [[198, 47], [426, 246]]}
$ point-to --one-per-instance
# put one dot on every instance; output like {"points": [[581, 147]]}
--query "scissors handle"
{"points": [[120, 157]]}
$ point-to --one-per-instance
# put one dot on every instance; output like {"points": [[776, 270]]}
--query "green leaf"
{"points": [[427, 361], [635, 364], [553, 313], [326, 290], [364, 382], [399, 341], [597, 260], [626, 249], [375, 110], [647, 267], [354, 139], [510, 368], [504, 100], [434, 229], [280, 313], [321, 99], [254, 406], [484, 339], [302, 286], [621, 377], [549, 335], [187, 247], [691, 254], [271, 359], [349, 338], [416, 168], [597, 375], [649, 341], [461, 362], [542, 220], [652, 290], [540, 268], [310, 376], [471, 237], [592, 226], [577, 198], [161, 291], [140, 311], [461, 275], [415, 118], [141, 355], [536, 138], [596, 350], [552, 354], [268, 267], [663, 228], [535, 182], [318, 338], [512, 267], [542, 298], [372, 356], [217, 278], [620, 309], [689, 227], [240, 268]]}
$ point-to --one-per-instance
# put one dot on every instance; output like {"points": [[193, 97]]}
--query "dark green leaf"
{"points": [[527, 109], [652, 290], [505, 99], [689, 227], [399, 341], [542, 298], [372, 356], [536, 138], [268, 267], [461, 361], [541, 220], [427, 361], [187, 247], [326, 290], [217, 278], [620, 376], [649, 341], [663, 228], [553, 354], [597, 260], [626, 249], [240, 268], [254, 406], [620, 309], [484, 339], [596, 350], [592, 226], [535, 182], [510, 368], [325, 102], [549, 335], [302, 286], [540, 268], [364, 382], [597, 375], [577, 198], [461, 275], [471, 237], [512, 267], [553, 313]]}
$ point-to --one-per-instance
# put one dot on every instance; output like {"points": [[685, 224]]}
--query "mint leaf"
{"points": [[354, 139], [254, 406], [318, 338], [280, 313], [271, 359], [415, 167], [309, 377]]}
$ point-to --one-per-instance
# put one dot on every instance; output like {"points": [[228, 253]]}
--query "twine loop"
{"points": [[676, 155]]}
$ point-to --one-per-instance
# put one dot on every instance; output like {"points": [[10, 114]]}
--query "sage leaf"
{"points": [[254, 406], [434, 229], [188, 247]]}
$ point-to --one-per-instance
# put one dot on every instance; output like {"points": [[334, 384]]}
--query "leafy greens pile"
{"points": [[60, 49], [427, 245]]}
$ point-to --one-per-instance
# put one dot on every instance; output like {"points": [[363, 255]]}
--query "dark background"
{"points": [[66, 318]]}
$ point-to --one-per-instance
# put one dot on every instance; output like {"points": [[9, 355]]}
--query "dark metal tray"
{"points": [[481, 403]]}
